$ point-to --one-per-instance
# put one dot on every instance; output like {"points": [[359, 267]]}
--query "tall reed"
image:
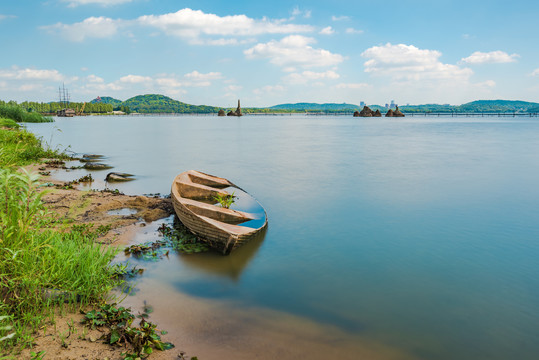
{"points": [[36, 260]]}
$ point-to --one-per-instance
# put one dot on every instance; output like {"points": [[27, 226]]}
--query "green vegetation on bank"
{"points": [[19, 114], [20, 147], [154, 103], [41, 268]]}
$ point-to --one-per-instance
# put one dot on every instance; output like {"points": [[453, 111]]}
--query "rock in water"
{"points": [[96, 166], [116, 177], [221, 113], [398, 113], [377, 113], [389, 113], [366, 112], [356, 113]]}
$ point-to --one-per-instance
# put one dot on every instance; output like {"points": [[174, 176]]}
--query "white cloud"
{"points": [[407, 62], [493, 57], [297, 12], [95, 79], [327, 31], [194, 26], [191, 25], [353, 31], [3, 17], [535, 72], [351, 85], [340, 18], [233, 88], [135, 79], [486, 84], [294, 50], [92, 27], [31, 74], [269, 89], [74, 3], [306, 76], [196, 76]]}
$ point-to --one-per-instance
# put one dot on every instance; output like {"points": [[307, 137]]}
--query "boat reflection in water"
{"points": [[230, 266]]}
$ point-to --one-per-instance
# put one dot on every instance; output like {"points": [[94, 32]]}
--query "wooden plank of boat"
{"points": [[215, 225]]}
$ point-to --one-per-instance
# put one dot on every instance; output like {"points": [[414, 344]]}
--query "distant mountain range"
{"points": [[153, 103]]}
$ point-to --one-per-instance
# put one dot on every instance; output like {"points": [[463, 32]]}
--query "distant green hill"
{"points": [[498, 106], [107, 100], [153, 103], [495, 106]]}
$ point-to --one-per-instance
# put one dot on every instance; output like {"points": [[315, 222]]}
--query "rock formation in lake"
{"points": [[356, 113], [221, 113], [366, 112], [377, 113], [398, 113], [237, 112], [389, 113]]}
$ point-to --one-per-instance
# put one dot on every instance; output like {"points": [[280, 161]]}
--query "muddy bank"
{"points": [[122, 216]]}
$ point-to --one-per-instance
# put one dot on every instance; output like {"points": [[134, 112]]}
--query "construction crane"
{"points": [[81, 109]]}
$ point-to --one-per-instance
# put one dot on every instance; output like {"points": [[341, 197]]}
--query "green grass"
{"points": [[8, 123], [41, 268], [20, 147], [37, 261], [18, 114]]}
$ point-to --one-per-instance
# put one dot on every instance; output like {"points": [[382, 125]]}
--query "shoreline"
{"points": [[66, 337], [208, 328]]}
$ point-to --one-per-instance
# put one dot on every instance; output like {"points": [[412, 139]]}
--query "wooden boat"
{"points": [[193, 195]]}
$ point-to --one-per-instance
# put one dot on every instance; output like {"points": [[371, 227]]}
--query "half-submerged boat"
{"points": [[194, 197]]}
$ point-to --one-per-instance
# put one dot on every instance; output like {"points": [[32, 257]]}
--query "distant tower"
{"points": [[392, 104], [361, 104]]}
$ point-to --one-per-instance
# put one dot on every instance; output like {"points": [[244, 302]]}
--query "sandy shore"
{"points": [[67, 338]]}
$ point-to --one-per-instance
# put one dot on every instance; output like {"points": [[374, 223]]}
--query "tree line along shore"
{"points": [[160, 104]]}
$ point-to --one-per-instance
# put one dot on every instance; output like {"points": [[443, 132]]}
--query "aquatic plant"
{"points": [[225, 200], [143, 339], [181, 239]]}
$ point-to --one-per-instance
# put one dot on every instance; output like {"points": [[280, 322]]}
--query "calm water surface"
{"points": [[421, 234]]}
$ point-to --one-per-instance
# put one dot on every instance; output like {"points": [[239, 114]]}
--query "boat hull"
{"points": [[212, 224]]}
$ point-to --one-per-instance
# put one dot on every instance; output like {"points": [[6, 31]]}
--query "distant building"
{"points": [[362, 104], [392, 105], [65, 113], [387, 106]]}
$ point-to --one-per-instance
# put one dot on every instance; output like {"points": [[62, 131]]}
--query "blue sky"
{"points": [[265, 53]]}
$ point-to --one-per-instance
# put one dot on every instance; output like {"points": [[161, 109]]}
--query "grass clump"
{"points": [[19, 114], [20, 147], [37, 261], [8, 123]]}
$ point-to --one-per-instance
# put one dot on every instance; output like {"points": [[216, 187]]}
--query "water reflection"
{"points": [[230, 266]]}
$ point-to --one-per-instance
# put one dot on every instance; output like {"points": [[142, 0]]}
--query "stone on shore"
{"points": [[96, 166], [118, 177]]}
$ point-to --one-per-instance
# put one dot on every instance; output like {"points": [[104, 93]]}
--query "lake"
{"points": [[408, 238]]}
